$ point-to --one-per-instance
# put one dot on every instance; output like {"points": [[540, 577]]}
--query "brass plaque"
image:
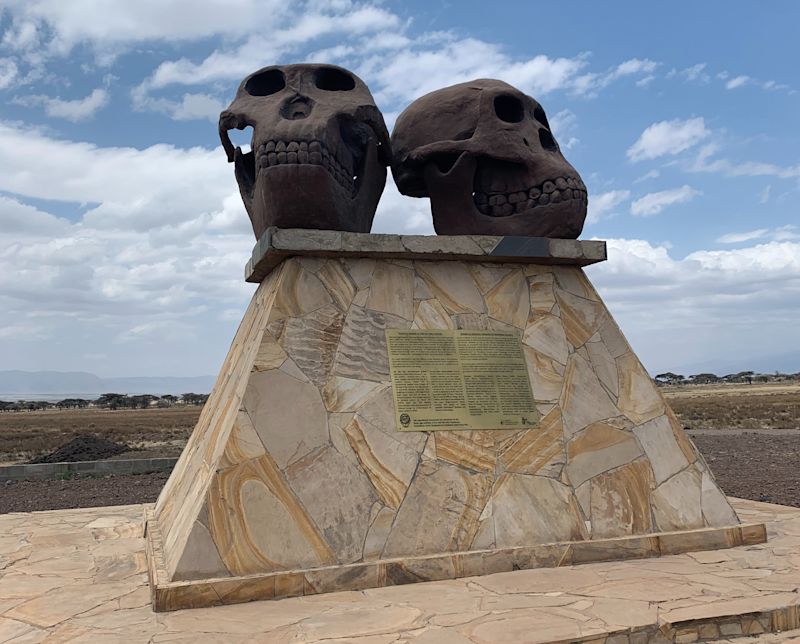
{"points": [[459, 380]]}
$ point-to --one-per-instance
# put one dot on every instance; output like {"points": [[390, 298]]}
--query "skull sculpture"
{"points": [[319, 150], [484, 154]]}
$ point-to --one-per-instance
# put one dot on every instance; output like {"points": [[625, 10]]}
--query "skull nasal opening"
{"points": [[509, 108], [297, 107]]}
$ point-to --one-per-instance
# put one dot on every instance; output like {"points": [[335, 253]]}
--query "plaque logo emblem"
{"points": [[405, 420]]}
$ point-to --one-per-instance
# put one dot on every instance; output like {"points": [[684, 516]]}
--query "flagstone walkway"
{"points": [[80, 576]]}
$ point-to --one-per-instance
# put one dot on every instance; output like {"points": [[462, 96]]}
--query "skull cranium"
{"points": [[484, 154], [319, 148]]}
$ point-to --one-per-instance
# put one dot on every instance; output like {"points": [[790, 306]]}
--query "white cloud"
{"points": [[668, 137], [704, 162], [654, 202], [739, 81], [75, 110], [738, 238], [694, 73], [605, 203], [765, 194], [8, 72], [652, 174], [679, 311], [563, 124]]}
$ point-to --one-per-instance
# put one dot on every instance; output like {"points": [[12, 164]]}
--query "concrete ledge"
{"points": [[277, 244], [168, 596], [54, 470]]}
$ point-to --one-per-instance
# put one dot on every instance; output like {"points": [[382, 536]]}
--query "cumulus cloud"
{"points": [[654, 202], [8, 72], [75, 110], [705, 162], [738, 81], [668, 138], [605, 203]]}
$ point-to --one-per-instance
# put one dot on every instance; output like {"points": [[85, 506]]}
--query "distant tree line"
{"points": [[742, 377], [107, 401]]}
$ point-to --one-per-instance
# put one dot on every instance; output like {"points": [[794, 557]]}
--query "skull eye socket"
{"points": [[333, 80], [539, 115], [547, 140], [509, 108], [265, 83]]}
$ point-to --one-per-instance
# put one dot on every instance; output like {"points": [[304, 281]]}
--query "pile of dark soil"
{"points": [[83, 448]]}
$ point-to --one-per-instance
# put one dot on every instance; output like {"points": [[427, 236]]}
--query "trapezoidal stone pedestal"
{"points": [[296, 480]]}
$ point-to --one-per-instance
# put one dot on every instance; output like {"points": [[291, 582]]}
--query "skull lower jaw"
{"points": [[453, 194]]}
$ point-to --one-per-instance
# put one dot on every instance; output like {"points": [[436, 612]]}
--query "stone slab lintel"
{"points": [[276, 244], [201, 593]]}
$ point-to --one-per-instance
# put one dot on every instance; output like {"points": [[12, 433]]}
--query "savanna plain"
{"points": [[748, 434]]}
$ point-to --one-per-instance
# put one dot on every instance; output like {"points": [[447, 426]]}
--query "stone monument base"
{"points": [[297, 479]]}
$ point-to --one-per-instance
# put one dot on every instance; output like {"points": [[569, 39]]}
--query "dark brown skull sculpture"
{"points": [[484, 154], [319, 150]]}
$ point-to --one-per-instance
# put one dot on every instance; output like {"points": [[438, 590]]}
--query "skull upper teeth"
{"points": [[274, 153], [497, 204]]}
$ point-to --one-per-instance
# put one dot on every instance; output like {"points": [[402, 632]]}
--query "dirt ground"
{"points": [[750, 436]]}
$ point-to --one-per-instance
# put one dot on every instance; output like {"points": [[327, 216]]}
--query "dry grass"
{"points": [[736, 406], [24, 435]]}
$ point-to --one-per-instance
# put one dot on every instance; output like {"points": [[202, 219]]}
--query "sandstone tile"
{"points": [[753, 534], [604, 366], [583, 401], [56, 606], [392, 290], [390, 465], [452, 284], [473, 321], [638, 399], [272, 400], [440, 511], [238, 591], [258, 524], [573, 280], [509, 301], [470, 449], [677, 502], [343, 519], [347, 394], [716, 509], [534, 509], [12, 630], [289, 584], [486, 276], [378, 411], [612, 337], [546, 375], [298, 292], [330, 580], [431, 315], [450, 245], [377, 534], [270, 354], [542, 293], [614, 550], [597, 449], [680, 542], [658, 441], [200, 557], [539, 450], [243, 442], [360, 270], [362, 353], [337, 281], [360, 298], [310, 341], [620, 501], [545, 334], [582, 318]]}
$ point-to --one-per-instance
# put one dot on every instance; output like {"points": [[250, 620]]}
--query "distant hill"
{"points": [[788, 362], [82, 383]]}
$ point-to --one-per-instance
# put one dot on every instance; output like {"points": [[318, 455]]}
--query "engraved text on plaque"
{"points": [[459, 380]]}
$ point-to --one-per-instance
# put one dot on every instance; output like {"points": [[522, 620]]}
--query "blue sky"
{"points": [[122, 236]]}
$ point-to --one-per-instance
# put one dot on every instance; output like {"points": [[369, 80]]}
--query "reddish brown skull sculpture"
{"points": [[319, 149], [484, 154]]}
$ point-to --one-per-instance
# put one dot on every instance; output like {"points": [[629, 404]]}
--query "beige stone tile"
{"points": [[56, 606], [452, 284], [343, 518], [546, 375], [360, 270], [392, 290], [337, 281], [431, 315], [272, 401], [598, 448], [638, 399], [539, 450], [582, 318], [716, 509], [573, 280], [658, 441], [270, 354], [583, 401], [677, 502], [545, 334], [12, 630], [362, 353], [299, 292], [486, 276], [534, 509], [620, 501], [509, 301], [348, 394], [604, 366], [542, 295], [377, 533], [440, 511]]}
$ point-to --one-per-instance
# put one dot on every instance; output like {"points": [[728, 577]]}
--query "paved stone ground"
{"points": [[79, 576]]}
